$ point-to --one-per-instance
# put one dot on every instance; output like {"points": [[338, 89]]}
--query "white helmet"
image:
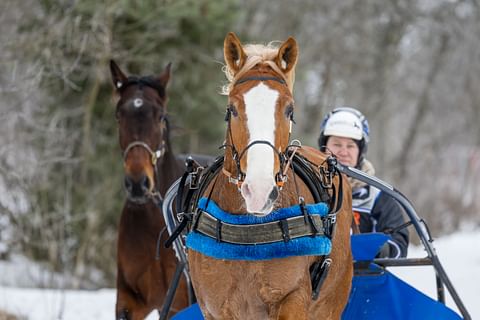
{"points": [[348, 123], [344, 124]]}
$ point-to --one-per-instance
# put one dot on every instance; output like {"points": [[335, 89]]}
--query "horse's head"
{"points": [[259, 114], [142, 126]]}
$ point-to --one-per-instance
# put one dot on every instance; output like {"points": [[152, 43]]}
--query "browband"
{"points": [[261, 78]]}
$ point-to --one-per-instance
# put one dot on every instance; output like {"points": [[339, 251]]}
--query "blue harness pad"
{"points": [[303, 246]]}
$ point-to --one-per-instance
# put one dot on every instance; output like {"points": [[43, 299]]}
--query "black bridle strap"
{"points": [[268, 143], [241, 175], [261, 78], [238, 156], [141, 82]]}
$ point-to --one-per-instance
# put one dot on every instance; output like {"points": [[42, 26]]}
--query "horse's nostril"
{"points": [[145, 183], [274, 194], [127, 182], [137, 187]]}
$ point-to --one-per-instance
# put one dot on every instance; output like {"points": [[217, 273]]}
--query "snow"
{"points": [[458, 253]]}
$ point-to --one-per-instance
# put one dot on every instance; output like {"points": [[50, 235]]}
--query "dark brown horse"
{"points": [[260, 108], [150, 168]]}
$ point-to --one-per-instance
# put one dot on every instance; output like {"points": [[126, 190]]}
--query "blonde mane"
{"points": [[256, 54]]}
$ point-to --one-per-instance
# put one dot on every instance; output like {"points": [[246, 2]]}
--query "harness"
{"points": [[193, 213]]}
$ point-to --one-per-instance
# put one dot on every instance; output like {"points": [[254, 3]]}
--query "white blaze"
{"points": [[260, 103]]}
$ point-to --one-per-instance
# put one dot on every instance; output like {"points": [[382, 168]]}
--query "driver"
{"points": [[345, 133]]}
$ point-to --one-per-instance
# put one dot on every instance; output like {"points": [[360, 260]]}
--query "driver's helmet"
{"points": [[348, 123]]}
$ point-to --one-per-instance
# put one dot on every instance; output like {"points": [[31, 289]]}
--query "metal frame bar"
{"points": [[419, 225], [422, 231], [180, 252]]}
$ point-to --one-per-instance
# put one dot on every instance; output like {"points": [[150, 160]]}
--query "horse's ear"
{"points": [[164, 77], [233, 52], [287, 55], [118, 77]]}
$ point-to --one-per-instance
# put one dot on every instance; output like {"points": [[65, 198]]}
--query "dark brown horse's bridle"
{"points": [[239, 178], [156, 155]]}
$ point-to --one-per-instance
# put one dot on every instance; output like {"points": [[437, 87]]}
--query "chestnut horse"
{"points": [[150, 167], [259, 115]]}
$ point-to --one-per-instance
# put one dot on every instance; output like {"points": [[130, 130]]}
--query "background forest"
{"points": [[412, 67]]}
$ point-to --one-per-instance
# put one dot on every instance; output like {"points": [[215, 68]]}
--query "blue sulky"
{"points": [[376, 293]]}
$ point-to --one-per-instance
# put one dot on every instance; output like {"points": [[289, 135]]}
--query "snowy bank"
{"points": [[458, 253]]}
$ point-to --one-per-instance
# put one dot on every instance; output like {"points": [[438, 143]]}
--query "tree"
{"points": [[75, 197]]}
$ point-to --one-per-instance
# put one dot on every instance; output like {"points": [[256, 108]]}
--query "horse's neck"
{"points": [[168, 170]]}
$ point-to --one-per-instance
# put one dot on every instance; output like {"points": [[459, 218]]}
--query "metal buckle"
{"points": [[195, 178], [233, 180], [333, 218], [180, 216], [326, 263]]}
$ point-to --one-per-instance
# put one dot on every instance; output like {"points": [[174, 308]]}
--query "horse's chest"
{"points": [[244, 289]]}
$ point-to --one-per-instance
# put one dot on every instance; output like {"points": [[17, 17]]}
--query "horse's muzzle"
{"points": [[138, 190]]}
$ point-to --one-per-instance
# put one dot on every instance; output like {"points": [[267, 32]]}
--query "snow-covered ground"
{"points": [[459, 254]]}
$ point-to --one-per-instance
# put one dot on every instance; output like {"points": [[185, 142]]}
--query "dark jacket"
{"points": [[385, 215]]}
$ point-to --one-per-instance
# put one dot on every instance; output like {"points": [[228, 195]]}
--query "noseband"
{"points": [[155, 156], [284, 161]]}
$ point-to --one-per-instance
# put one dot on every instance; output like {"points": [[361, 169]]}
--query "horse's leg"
{"points": [[129, 306], [294, 306], [341, 293], [136, 311], [122, 315], [124, 304]]}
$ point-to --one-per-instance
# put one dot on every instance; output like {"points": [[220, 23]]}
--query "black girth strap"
{"points": [[318, 274], [285, 232], [263, 233]]}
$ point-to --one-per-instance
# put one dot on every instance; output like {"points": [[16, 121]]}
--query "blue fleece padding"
{"points": [[304, 246]]}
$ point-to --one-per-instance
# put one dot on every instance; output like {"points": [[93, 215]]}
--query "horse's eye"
{"points": [[233, 110], [158, 114], [289, 112]]}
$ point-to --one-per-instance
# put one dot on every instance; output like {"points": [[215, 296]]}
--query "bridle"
{"points": [[154, 157], [159, 152], [239, 178]]}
